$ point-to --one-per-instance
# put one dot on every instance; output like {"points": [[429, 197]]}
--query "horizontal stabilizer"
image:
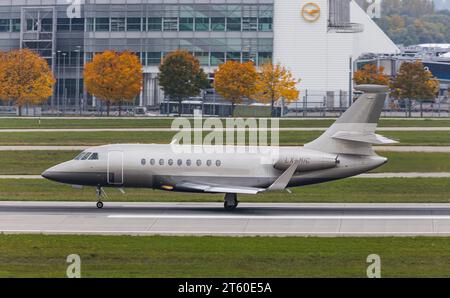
{"points": [[361, 137]]}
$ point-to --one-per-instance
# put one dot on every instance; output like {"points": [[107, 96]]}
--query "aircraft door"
{"points": [[115, 168]]}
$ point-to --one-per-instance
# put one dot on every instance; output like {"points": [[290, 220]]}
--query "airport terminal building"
{"points": [[318, 41]]}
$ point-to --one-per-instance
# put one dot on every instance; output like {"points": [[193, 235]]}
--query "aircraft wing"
{"points": [[280, 184], [220, 188]]}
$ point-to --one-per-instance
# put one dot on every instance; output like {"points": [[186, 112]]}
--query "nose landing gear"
{"points": [[100, 194], [231, 201]]}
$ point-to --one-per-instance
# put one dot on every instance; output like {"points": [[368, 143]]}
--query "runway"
{"points": [[199, 219]]}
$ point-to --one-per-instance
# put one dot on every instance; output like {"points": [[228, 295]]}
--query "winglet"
{"points": [[282, 182]]}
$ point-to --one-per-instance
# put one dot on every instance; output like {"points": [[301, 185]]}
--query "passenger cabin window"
{"points": [[199, 162], [208, 163], [188, 162], [170, 162], [152, 162], [161, 162], [218, 163], [180, 162], [143, 162]]}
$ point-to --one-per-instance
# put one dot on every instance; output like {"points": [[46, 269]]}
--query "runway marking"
{"points": [[309, 217]]}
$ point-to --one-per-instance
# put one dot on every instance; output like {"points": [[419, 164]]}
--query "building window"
{"points": [[4, 25], [186, 24], [201, 24], [90, 24], [234, 24], [264, 57], [117, 24], [234, 56], [63, 24], [265, 24], [134, 24], [250, 24], [154, 24], [203, 57], [170, 24], [47, 25], [218, 24], [15, 25], [77, 24], [153, 58], [102, 24], [217, 58]]}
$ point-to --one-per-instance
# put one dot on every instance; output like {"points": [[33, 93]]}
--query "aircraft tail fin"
{"points": [[354, 131]]}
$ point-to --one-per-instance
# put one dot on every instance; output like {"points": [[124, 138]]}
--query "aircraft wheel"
{"points": [[99, 205], [231, 202]]}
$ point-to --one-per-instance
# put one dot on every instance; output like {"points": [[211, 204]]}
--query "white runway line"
{"points": [[287, 217]]}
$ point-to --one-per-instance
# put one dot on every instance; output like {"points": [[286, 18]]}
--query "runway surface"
{"points": [[424, 149], [210, 219]]}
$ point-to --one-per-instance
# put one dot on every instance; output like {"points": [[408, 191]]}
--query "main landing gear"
{"points": [[231, 201], [100, 194]]}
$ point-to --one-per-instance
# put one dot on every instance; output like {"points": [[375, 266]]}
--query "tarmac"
{"points": [[200, 219]]}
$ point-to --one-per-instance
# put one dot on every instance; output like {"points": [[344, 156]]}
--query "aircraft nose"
{"points": [[53, 173]]}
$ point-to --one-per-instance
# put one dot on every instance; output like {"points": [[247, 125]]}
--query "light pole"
{"points": [[64, 83], [58, 57], [77, 85]]}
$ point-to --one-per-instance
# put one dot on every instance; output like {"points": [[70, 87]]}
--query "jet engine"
{"points": [[308, 161]]}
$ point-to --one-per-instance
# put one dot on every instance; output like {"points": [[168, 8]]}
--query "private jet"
{"points": [[344, 150]]}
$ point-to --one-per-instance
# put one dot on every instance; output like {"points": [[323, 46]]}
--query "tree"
{"points": [[235, 81], [25, 78], [371, 74], [275, 82], [414, 82], [180, 76], [114, 77]]}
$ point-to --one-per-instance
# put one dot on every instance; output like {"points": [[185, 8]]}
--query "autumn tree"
{"points": [[275, 82], [414, 82], [371, 74], [114, 77], [235, 81], [180, 76], [25, 78]]}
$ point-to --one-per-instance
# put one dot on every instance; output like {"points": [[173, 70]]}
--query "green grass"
{"points": [[160, 123], [393, 190], [287, 138], [35, 162], [209, 257]]}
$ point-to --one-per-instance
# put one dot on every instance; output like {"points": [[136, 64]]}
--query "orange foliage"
{"points": [[114, 77], [275, 82], [25, 78], [371, 74], [235, 81]]}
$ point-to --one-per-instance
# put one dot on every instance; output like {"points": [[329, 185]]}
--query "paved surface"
{"points": [[211, 219], [429, 149], [372, 175], [206, 130]]}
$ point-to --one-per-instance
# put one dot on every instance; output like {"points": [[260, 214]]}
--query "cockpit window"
{"points": [[94, 156], [86, 156]]}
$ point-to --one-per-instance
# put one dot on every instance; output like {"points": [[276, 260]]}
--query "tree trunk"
{"points": [[272, 108], [233, 105], [19, 107], [108, 106], [120, 108], [180, 106]]}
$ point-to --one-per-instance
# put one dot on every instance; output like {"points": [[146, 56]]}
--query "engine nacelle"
{"points": [[309, 161]]}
